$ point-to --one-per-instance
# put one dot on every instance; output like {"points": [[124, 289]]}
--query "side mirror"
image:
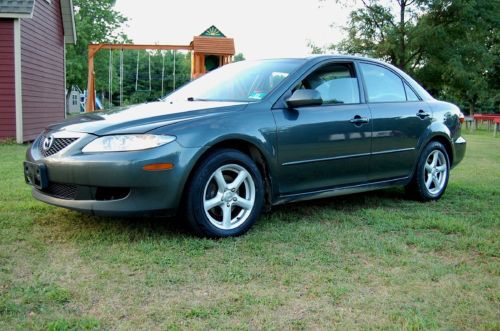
{"points": [[303, 98]]}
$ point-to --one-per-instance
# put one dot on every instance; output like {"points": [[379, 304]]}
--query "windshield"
{"points": [[241, 81]]}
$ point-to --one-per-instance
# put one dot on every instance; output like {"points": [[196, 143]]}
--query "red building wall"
{"points": [[42, 58], [7, 82]]}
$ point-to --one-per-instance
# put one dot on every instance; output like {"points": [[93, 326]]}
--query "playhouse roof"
{"points": [[213, 41], [212, 31]]}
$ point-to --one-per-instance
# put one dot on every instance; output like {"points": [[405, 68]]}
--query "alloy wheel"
{"points": [[435, 173], [229, 196]]}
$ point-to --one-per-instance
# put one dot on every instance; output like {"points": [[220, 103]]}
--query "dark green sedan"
{"points": [[248, 136]]}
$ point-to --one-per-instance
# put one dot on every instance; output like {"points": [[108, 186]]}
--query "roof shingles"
{"points": [[19, 7]]}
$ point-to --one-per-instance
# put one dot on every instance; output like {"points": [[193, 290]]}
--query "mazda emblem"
{"points": [[47, 143]]}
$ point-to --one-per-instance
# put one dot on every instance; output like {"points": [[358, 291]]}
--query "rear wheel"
{"points": [[431, 176], [225, 195]]}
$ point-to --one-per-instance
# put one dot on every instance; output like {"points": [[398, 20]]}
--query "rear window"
{"points": [[382, 84]]}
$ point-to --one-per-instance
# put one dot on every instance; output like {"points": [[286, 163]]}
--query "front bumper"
{"points": [[140, 192]]}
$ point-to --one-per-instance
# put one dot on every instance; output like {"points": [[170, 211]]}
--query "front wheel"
{"points": [[225, 195], [431, 176]]}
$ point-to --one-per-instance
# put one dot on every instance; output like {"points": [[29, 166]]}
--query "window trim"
{"points": [[406, 84], [403, 81], [281, 103]]}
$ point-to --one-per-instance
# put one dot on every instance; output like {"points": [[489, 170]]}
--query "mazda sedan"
{"points": [[248, 136]]}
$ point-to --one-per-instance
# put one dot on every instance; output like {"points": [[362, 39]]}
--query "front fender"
{"points": [[253, 126]]}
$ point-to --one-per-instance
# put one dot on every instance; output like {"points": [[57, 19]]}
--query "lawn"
{"points": [[374, 260]]}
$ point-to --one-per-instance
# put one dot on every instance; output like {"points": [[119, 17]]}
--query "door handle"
{"points": [[422, 114], [358, 120]]}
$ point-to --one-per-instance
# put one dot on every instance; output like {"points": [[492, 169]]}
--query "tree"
{"points": [[239, 57], [451, 46], [462, 62], [96, 22], [381, 30]]}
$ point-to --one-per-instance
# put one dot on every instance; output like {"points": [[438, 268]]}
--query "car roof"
{"points": [[321, 57], [342, 56]]}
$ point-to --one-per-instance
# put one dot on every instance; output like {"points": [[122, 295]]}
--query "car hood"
{"points": [[145, 117]]}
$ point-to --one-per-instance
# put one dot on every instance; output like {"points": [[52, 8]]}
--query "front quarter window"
{"points": [[244, 81]]}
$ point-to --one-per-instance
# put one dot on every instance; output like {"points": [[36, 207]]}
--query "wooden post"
{"points": [[203, 70], [198, 67], [192, 65], [90, 102]]}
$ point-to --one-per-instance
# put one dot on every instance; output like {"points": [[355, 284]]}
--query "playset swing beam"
{"points": [[210, 43], [94, 48]]}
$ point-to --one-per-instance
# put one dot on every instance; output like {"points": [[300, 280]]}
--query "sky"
{"points": [[260, 28]]}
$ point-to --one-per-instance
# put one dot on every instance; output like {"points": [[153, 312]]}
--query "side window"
{"points": [[336, 83], [382, 84], [410, 95]]}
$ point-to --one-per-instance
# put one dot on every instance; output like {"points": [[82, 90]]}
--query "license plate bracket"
{"points": [[35, 174]]}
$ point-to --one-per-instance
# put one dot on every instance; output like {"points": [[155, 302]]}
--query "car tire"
{"points": [[225, 195], [431, 175]]}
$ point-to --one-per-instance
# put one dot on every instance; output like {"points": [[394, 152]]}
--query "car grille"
{"points": [[61, 191], [57, 145]]}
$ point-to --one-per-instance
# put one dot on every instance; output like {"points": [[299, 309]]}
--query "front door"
{"points": [[321, 147]]}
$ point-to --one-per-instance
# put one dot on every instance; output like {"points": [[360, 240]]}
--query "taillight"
{"points": [[461, 117]]}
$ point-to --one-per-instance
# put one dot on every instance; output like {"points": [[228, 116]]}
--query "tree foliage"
{"points": [[147, 75], [451, 46], [462, 62], [96, 22], [239, 57]]}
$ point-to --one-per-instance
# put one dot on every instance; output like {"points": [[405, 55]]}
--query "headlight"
{"points": [[125, 143]]}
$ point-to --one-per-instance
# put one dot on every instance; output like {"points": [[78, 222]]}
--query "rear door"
{"points": [[399, 118], [320, 147]]}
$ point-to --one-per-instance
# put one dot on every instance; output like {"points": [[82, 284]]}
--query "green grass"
{"points": [[366, 261]]}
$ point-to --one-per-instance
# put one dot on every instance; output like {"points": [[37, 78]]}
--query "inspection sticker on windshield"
{"points": [[257, 95]]}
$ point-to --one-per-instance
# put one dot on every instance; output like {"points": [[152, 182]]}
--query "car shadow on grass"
{"points": [[352, 202], [76, 226], [140, 228]]}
